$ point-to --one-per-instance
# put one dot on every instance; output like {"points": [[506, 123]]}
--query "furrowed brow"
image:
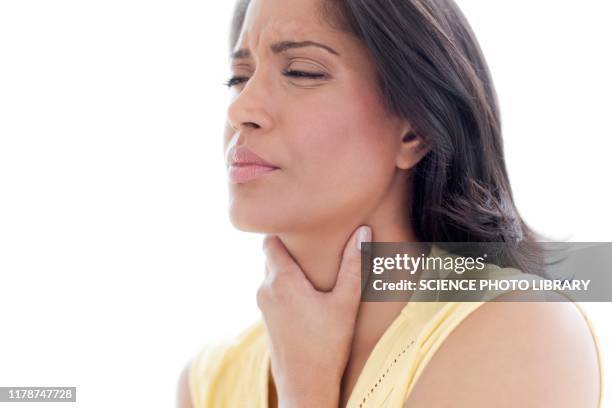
{"points": [[283, 46]]}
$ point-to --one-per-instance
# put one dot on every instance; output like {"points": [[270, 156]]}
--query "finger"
{"points": [[266, 269], [279, 262], [348, 283]]}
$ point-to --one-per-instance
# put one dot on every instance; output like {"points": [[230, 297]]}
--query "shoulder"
{"points": [[220, 368], [183, 392], [508, 353]]}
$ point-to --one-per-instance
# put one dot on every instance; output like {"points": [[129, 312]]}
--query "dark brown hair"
{"points": [[431, 71]]}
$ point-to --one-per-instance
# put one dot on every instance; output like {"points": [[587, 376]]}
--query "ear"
{"points": [[412, 149]]}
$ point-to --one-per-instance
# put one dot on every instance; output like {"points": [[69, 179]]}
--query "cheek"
{"points": [[344, 150]]}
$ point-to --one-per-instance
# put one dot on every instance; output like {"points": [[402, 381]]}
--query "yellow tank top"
{"points": [[235, 373]]}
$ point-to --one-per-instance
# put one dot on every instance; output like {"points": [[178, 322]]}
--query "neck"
{"points": [[318, 249], [319, 252]]}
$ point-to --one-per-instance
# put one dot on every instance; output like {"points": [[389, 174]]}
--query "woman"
{"points": [[382, 114]]}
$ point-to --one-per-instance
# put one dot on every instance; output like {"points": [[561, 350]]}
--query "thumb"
{"points": [[348, 283]]}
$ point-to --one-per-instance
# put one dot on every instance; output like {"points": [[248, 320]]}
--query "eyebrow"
{"points": [[282, 46]]}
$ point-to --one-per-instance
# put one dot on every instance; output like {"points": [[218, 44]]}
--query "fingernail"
{"points": [[363, 235]]}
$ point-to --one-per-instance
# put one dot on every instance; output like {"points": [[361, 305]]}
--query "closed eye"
{"points": [[235, 80]]}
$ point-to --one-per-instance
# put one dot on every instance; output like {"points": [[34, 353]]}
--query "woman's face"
{"points": [[334, 144]]}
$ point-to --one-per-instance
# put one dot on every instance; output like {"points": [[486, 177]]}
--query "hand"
{"points": [[310, 331]]}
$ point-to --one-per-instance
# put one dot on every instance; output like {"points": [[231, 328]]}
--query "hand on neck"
{"points": [[319, 251]]}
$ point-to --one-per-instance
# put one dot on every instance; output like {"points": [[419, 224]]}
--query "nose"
{"points": [[250, 108]]}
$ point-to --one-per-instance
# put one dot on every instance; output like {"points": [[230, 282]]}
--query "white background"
{"points": [[117, 258]]}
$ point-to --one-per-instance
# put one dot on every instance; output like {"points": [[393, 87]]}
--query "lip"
{"points": [[247, 172], [242, 155], [246, 165]]}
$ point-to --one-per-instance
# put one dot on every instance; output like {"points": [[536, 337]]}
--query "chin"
{"points": [[253, 219]]}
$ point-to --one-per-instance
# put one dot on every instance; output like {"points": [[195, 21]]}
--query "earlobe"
{"points": [[411, 151]]}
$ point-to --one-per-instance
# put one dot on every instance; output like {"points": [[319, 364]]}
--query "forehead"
{"points": [[270, 21], [286, 19]]}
